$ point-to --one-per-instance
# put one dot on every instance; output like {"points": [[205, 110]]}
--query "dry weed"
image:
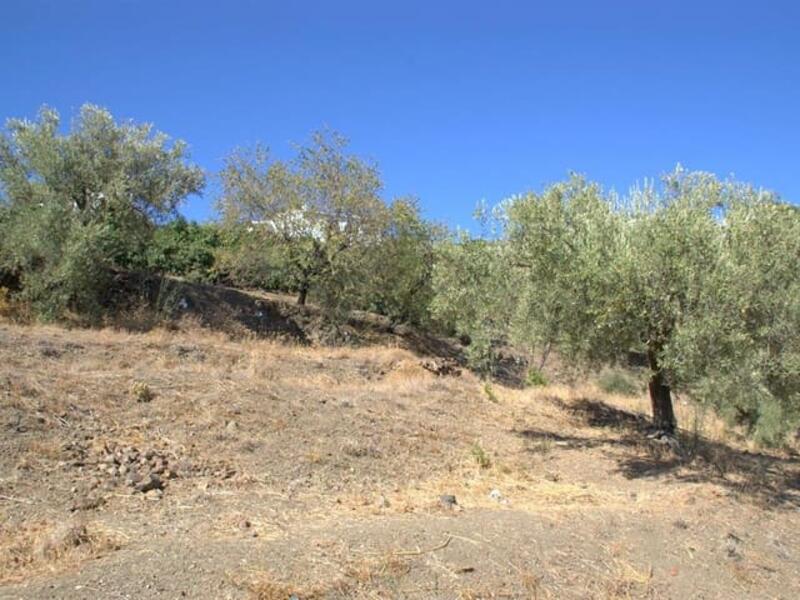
{"points": [[627, 582], [33, 548]]}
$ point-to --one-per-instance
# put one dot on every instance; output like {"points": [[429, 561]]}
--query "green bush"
{"points": [[76, 207], [535, 378], [489, 391], [186, 249], [481, 457]]}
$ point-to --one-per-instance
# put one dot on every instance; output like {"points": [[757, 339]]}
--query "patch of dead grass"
{"points": [[32, 549], [627, 581], [374, 577]]}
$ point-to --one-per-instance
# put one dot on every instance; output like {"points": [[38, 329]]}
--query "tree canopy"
{"points": [[701, 275], [79, 204], [318, 224]]}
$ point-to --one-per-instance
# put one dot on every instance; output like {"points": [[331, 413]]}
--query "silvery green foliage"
{"points": [[742, 354], [402, 268], [474, 293], [318, 222], [313, 217], [702, 273], [80, 204]]}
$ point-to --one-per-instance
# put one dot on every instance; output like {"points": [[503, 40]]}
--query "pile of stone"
{"points": [[441, 367], [142, 470]]}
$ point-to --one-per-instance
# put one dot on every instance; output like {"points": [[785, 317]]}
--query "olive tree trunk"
{"points": [[660, 396], [302, 295]]}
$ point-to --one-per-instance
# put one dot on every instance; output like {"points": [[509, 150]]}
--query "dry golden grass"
{"points": [[318, 438], [265, 586], [370, 577], [6, 309], [46, 547], [628, 581]]}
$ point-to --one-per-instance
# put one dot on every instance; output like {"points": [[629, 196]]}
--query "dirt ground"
{"points": [[184, 464]]}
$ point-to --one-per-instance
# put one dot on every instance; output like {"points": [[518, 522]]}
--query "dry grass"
{"points": [[46, 547], [627, 581], [358, 443], [355, 578], [265, 586]]}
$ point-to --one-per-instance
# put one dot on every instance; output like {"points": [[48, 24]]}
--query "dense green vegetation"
{"points": [[185, 249], [700, 275], [78, 206], [317, 226]]}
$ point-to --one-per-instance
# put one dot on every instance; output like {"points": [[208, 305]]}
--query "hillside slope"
{"points": [[175, 464]]}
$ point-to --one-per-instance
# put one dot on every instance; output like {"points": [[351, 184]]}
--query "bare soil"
{"points": [[187, 464]]}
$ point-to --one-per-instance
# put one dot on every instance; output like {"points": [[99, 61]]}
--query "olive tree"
{"points": [[318, 217], [742, 353], [700, 275], [78, 205], [473, 293], [186, 249], [402, 266]]}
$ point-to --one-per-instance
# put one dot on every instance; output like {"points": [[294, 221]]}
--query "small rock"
{"points": [[231, 427], [154, 494], [441, 366], [732, 546], [244, 524], [151, 483], [382, 502], [184, 467], [448, 501], [88, 503], [496, 495]]}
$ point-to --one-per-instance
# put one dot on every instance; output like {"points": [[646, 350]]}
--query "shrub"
{"points": [[535, 378], [76, 207], [489, 391], [479, 454], [186, 249], [141, 392]]}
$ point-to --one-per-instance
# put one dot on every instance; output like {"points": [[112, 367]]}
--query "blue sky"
{"points": [[456, 101]]}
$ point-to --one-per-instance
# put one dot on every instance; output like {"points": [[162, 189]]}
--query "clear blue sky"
{"points": [[457, 101]]}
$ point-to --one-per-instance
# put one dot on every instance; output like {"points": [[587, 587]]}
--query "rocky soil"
{"points": [[186, 464]]}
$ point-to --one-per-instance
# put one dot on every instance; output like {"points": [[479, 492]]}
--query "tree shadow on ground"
{"points": [[768, 479], [142, 302]]}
